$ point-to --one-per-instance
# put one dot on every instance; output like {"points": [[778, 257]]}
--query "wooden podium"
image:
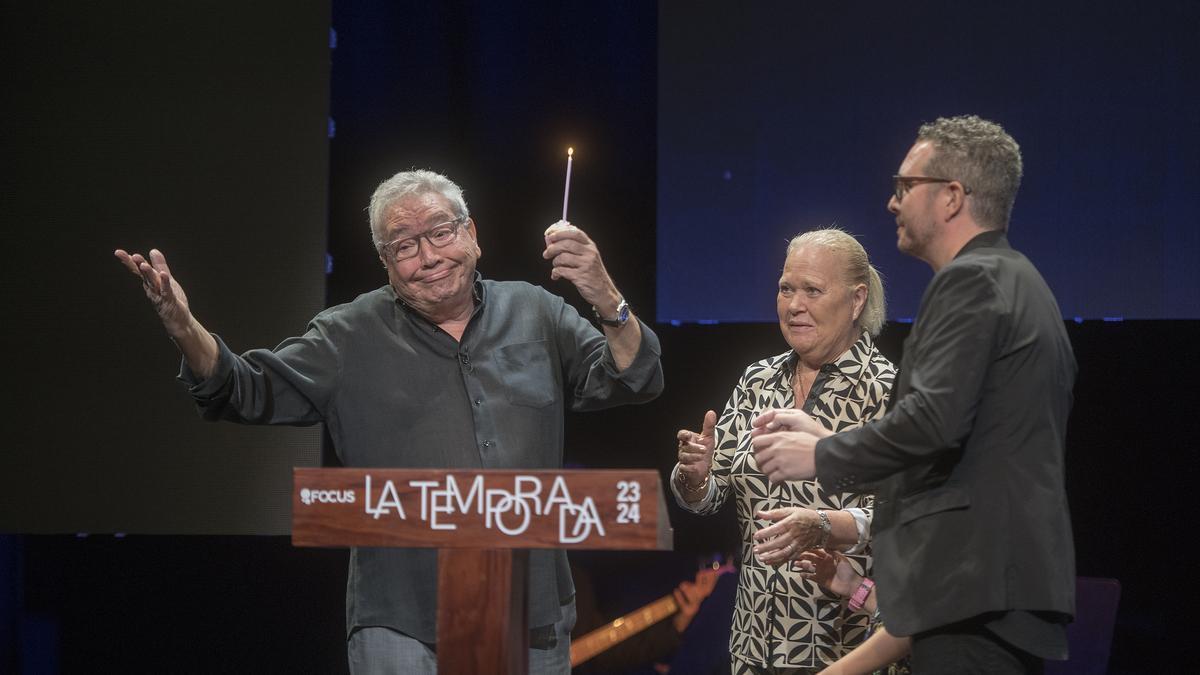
{"points": [[481, 522]]}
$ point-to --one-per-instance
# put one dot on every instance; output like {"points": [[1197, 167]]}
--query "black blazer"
{"points": [[971, 513]]}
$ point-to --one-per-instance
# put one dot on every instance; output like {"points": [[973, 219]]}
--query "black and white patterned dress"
{"points": [[780, 619]]}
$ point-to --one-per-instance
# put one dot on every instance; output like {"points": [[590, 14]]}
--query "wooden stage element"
{"points": [[482, 522]]}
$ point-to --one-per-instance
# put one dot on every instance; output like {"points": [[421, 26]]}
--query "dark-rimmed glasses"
{"points": [[902, 184], [438, 236]]}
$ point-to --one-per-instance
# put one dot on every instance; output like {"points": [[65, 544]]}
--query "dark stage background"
{"points": [[198, 130], [491, 94], [778, 116]]}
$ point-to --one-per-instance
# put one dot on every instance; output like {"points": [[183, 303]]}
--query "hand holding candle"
{"points": [[574, 257]]}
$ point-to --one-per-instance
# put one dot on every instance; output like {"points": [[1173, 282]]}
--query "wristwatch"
{"points": [[622, 315]]}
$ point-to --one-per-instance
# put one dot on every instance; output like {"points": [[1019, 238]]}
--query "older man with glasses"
{"points": [[972, 538], [439, 368]]}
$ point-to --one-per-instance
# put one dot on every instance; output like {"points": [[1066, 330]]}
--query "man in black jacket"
{"points": [[972, 537]]}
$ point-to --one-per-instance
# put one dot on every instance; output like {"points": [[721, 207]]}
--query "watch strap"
{"points": [[860, 594], [621, 319]]}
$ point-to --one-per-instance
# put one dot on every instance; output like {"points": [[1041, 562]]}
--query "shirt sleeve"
{"points": [[710, 494], [948, 364], [291, 384], [592, 381], [862, 523]]}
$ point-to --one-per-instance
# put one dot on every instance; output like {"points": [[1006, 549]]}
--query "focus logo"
{"points": [[308, 497]]}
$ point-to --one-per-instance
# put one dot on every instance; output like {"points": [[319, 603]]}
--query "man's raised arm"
{"points": [[170, 302], [576, 259]]}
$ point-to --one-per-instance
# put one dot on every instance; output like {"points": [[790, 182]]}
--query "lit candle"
{"points": [[567, 188]]}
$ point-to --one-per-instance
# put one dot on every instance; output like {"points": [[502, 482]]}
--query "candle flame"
{"points": [[570, 151]]}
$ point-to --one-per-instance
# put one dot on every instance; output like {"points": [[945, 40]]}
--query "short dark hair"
{"points": [[983, 157]]}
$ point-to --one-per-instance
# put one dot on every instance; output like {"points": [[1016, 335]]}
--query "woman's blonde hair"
{"points": [[858, 270]]}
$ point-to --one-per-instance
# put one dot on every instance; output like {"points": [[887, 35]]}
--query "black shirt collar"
{"points": [[478, 290], [850, 364], [986, 239]]}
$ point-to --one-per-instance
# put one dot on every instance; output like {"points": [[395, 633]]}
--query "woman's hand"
{"points": [[695, 450], [793, 531]]}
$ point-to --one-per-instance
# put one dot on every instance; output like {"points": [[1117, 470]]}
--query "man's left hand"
{"points": [[788, 419], [576, 259], [783, 454]]}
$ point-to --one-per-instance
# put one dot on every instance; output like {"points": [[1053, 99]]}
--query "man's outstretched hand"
{"points": [[170, 303]]}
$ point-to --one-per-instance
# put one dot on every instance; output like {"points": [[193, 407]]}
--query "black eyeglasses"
{"points": [[902, 184], [438, 236]]}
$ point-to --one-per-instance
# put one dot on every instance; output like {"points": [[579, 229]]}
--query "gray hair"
{"points": [[406, 183], [858, 270], [983, 157]]}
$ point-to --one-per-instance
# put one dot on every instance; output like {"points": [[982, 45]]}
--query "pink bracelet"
{"points": [[860, 595]]}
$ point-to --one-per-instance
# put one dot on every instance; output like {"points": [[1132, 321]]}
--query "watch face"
{"points": [[621, 318]]}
